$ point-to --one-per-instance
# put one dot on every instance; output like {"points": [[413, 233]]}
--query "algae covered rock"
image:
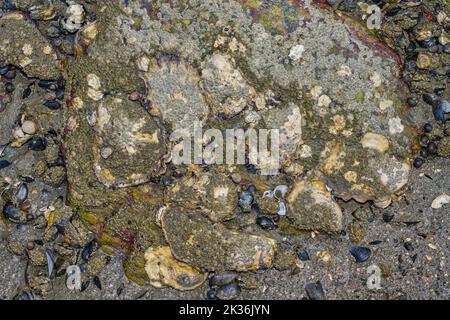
{"points": [[225, 87], [196, 241], [22, 45], [312, 207], [128, 147], [330, 88], [174, 92], [213, 192]]}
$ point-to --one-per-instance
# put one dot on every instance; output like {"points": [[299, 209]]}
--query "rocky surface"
{"points": [[94, 96]]}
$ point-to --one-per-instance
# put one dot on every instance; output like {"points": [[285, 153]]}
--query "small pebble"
{"points": [[245, 200], [303, 255], [408, 246], [428, 128], [424, 140], [388, 216], [11, 74], [423, 152], [29, 127], [418, 162], [30, 245], [9, 87], [432, 148], [211, 295]]}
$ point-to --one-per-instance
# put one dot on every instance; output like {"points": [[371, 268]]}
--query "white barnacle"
{"points": [[386, 104], [344, 71], [395, 125], [27, 49], [93, 81], [296, 52], [376, 79], [324, 101], [316, 91], [143, 63], [75, 16]]}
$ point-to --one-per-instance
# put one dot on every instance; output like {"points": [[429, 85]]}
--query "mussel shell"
{"points": [[53, 105], [11, 212], [266, 223], [4, 164], [221, 279], [38, 144], [315, 291], [228, 292], [360, 254], [22, 193]]}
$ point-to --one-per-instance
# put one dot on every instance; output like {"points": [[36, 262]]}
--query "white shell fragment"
{"points": [[296, 52], [74, 18], [440, 201]]}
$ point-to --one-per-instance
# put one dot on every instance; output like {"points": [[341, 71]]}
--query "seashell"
{"points": [[4, 164], [75, 18], [245, 200], [266, 223], [22, 193], [282, 210], [221, 279], [360, 254], [228, 292], [440, 201], [315, 291], [11, 212], [164, 270]]}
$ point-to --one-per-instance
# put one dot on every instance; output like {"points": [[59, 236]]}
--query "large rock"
{"points": [[311, 207], [196, 241], [24, 46]]}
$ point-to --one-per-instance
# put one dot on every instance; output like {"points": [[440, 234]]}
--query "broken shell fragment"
{"points": [[74, 18], [164, 270], [440, 201]]}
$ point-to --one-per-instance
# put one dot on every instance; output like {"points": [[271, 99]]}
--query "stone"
{"points": [[311, 207], [195, 240], [225, 87], [24, 46]]}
